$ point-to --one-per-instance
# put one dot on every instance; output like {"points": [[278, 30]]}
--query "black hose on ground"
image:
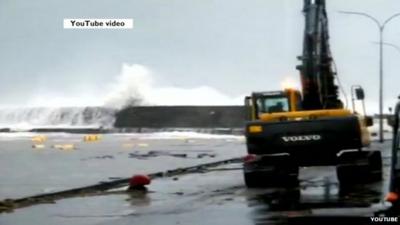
{"points": [[9, 205]]}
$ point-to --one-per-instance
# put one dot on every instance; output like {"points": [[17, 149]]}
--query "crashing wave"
{"points": [[26, 118]]}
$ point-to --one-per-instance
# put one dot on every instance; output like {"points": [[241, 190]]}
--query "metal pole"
{"points": [[364, 110], [381, 27], [381, 84], [381, 43], [352, 99]]}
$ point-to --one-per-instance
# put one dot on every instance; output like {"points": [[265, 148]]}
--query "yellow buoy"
{"points": [[91, 137], [143, 145], [39, 139], [64, 146], [38, 146], [128, 145]]}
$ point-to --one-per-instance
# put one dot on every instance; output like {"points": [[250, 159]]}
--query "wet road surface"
{"points": [[216, 196]]}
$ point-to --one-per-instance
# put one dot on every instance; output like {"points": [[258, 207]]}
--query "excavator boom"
{"points": [[316, 69]]}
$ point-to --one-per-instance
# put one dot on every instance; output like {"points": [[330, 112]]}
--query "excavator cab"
{"points": [[270, 102]]}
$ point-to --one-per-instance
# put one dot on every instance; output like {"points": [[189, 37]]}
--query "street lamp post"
{"points": [[381, 27], [391, 45]]}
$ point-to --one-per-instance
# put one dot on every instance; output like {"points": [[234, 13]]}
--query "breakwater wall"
{"points": [[181, 117]]}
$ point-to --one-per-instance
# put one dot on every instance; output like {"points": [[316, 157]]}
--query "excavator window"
{"points": [[273, 104]]}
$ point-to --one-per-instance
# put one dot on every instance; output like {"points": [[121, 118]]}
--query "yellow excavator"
{"points": [[289, 129]]}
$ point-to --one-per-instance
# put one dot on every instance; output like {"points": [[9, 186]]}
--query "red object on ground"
{"points": [[249, 158], [139, 181], [392, 197]]}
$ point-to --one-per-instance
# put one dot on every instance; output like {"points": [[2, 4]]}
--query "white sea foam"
{"points": [[18, 118], [180, 135], [135, 85]]}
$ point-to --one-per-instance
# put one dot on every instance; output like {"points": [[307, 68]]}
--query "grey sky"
{"points": [[234, 46]]}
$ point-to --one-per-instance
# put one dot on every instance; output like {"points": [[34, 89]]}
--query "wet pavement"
{"points": [[214, 196], [28, 171]]}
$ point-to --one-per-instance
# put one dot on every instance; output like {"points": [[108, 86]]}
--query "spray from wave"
{"points": [[134, 86], [28, 118]]}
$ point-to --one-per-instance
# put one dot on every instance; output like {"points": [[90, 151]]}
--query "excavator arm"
{"points": [[316, 69]]}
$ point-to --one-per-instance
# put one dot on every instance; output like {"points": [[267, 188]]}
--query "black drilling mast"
{"points": [[317, 69]]}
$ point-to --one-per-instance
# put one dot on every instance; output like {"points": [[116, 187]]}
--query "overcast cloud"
{"points": [[233, 46]]}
